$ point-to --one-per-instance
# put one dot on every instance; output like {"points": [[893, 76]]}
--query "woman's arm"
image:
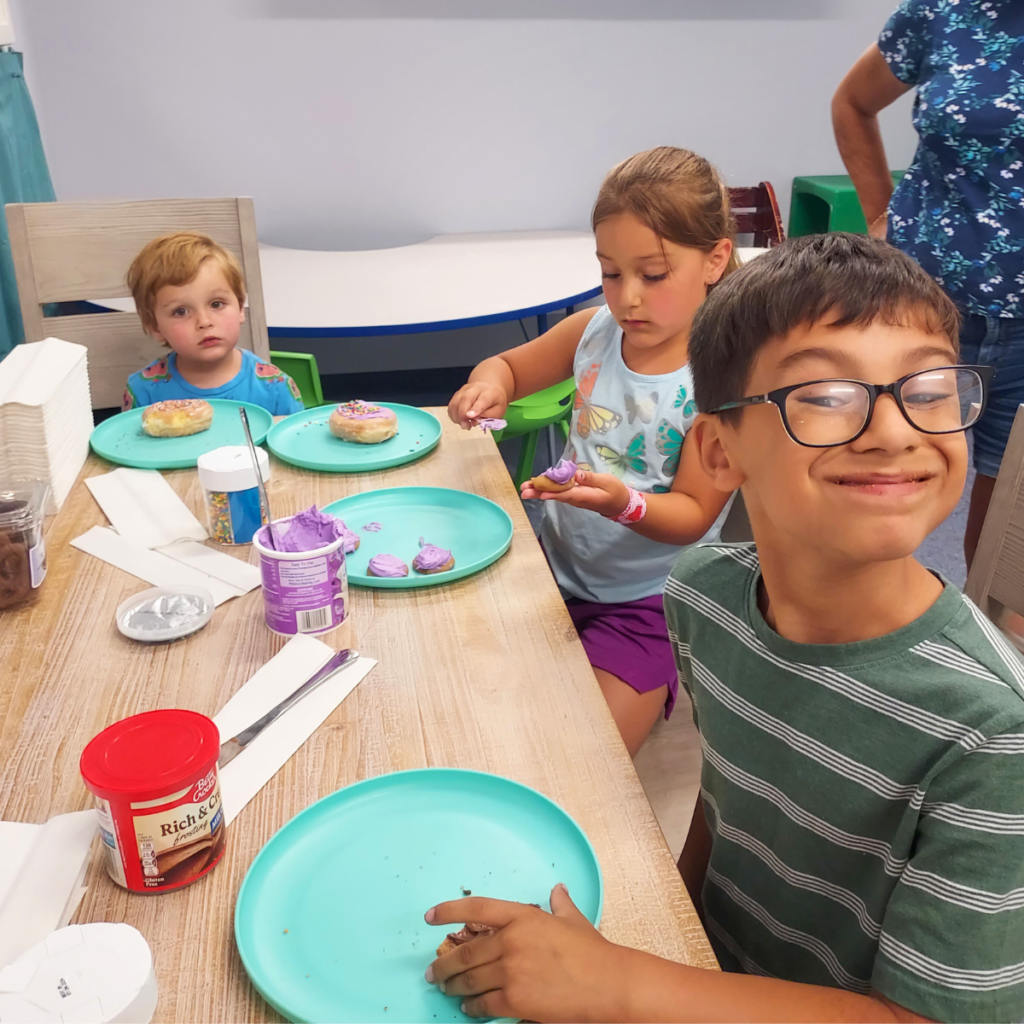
{"points": [[869, 86], [520, 371], [682, 516]]}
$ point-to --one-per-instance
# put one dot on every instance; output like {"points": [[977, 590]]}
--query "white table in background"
{"points": [[445, 283]]}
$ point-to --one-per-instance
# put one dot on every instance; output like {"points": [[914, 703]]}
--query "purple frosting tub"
{"points": [[305, 585]]}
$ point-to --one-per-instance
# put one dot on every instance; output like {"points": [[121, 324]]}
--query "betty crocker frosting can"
{"points": [[154, 781]]}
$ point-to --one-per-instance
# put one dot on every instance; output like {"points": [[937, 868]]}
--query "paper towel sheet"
{"points": [[249, 772], [143, 507], [151, 566], [218, 564], [41, 873]]}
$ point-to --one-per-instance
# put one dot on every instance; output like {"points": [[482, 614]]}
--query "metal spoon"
{"points": [[230, 749], [264, 500]]}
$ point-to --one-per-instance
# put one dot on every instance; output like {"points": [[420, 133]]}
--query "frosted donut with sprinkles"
{"points": [[363, 423], [177, 417]]}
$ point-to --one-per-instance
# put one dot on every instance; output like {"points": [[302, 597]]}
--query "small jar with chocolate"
{"points": [[22, 552]]}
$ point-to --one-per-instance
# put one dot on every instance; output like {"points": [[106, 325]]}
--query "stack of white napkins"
{"points": [[42, 868], [156, 537], [45, 415]]}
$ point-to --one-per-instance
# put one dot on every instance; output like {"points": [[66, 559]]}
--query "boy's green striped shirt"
{"points": [[866, 800]]}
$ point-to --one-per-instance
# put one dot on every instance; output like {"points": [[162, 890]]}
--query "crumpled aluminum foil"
{"points": [[178, 613]]}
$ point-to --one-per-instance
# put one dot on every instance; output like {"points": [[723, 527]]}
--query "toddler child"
{"points": [[857, 850], [190, 295], [664, 235]]}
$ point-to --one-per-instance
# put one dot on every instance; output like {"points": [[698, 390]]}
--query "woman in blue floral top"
{"points": [[959, 211]]}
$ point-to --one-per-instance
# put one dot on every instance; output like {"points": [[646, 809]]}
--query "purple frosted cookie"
{"points": [[351, 538], [387, 567], [433, 559], [558, 478]]}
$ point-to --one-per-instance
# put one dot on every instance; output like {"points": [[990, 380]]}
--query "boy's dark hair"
{"points": [[852, 280]]}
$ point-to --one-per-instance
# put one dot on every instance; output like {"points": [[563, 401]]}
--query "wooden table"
{"points": [[485, 673]]}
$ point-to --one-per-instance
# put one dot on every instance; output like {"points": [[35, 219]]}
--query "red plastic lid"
{"points": [[150, 755]]}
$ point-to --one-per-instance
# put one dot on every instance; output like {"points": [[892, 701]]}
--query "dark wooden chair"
{"points": [[757, 213]]}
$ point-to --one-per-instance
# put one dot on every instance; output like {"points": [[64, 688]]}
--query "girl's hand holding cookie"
{"points": [[537, 966], [475, 401], [597, 492]]}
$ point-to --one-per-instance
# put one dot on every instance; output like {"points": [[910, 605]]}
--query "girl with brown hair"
{"points": [[664, 235]]}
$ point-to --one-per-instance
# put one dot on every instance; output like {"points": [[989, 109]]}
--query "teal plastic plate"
{"points": [[474, 529], [121, 439], [304, 439], [329, 919]]}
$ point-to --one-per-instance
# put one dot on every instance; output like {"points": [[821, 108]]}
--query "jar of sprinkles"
{"points": [[232, 496]]}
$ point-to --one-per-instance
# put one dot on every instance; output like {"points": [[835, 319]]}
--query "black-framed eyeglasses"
{"points": [[826, 413]]}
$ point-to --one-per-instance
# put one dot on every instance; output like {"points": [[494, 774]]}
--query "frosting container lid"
{"points": [[150, 755], [230, 468], [162, 614]]}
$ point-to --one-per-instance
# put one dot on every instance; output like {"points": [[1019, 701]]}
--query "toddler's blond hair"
{"points": [[175, 259]]}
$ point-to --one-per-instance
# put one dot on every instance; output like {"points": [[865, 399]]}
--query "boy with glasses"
{"points": [[857, 851]]}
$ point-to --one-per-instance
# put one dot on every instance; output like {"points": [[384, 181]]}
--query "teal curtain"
{"points": [[24, 178]]}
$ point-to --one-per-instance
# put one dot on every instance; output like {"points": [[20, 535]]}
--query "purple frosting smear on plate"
{"points": [[373, 527]]}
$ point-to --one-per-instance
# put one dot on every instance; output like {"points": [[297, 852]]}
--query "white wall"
{"points": [[6, 25], [356, 132]]}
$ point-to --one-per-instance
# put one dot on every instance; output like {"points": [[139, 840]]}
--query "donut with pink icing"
{"points": [[177, 417], [363, 423]]}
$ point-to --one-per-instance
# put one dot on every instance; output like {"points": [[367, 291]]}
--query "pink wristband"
{"points": [[635, 510]]}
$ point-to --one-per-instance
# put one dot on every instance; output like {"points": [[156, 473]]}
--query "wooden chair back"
{"points": [[67, 252], [996, 579], [757, 213]]}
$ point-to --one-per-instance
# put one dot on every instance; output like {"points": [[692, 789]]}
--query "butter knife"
{"points": [[230, 749], [261, 487]]}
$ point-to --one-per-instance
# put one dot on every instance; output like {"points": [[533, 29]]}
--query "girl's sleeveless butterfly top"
{"points": [[632, 425]]}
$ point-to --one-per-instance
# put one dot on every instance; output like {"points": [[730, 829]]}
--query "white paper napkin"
{"points": [[152, 566], [143, 507], [41, 873], [250, 771], [232, 571]]}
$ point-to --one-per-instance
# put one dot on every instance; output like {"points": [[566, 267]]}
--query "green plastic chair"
{"points": [[827, 202], [527, 417], [301, 367]]}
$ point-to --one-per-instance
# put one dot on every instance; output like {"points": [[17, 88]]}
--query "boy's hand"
{"points": [[476, 400], [597, 492], [538, 966]]}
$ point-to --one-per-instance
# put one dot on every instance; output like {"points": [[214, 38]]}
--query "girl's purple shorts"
{"points": [[629, 640]]}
